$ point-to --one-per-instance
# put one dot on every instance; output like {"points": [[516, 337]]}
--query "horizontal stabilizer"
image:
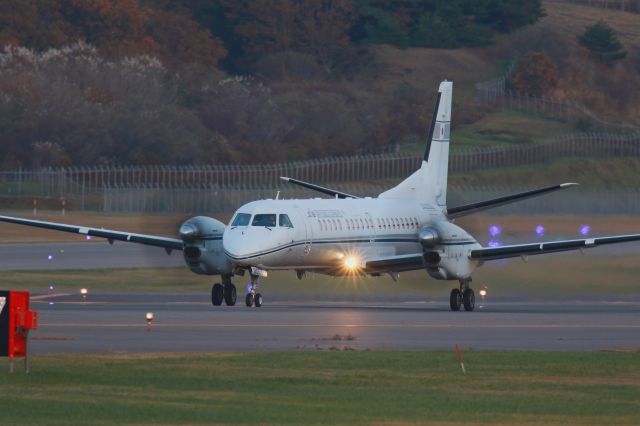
{"points": [[454, 212], [504, 252], [318, 188], [150, 240]]}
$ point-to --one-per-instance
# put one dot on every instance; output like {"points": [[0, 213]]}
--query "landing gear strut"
{"points": [[463, 297], [253, 297]]}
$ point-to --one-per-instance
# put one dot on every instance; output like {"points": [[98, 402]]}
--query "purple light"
{"points": [[50, 258], [540, 230], [584, 230], [494, 230], [494, 243], [87, 237], [51, 287]]}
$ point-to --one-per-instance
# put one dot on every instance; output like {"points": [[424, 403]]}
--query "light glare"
{"points": [[351, 262]]}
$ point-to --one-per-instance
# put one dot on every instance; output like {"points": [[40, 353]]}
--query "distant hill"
{"points": [[178, 82]]}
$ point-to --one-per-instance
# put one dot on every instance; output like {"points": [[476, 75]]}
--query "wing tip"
{"points": [[569, 184]]}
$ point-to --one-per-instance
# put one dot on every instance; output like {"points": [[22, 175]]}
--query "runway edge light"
{"points": [[16, 321]]}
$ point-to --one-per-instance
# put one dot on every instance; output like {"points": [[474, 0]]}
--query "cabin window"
{"points": [[241, 219], [267, 220], [285, 221]]}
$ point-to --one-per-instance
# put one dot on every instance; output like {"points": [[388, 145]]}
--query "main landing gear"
{"points": [[463, 296], [253, 297], [225, 291]]}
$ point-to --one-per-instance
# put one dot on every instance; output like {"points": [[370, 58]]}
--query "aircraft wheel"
{"points": [[258, 300], [249, 299], [230, 294], [455, 300], [217, 294], [469, 300]]}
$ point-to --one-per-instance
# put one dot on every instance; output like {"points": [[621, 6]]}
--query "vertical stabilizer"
{"points": [[429, 183]]}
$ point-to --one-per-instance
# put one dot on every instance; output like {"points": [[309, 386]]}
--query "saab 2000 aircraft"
{"points": [[408, 227]]}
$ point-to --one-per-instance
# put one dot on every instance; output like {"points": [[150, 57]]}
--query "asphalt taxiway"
{"points": [[115, 323], [85, 255]]}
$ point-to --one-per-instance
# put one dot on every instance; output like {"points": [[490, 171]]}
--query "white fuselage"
{"points": [[326, 231]]}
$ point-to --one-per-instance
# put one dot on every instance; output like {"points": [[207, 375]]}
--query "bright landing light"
{"points": [[351, 262]]}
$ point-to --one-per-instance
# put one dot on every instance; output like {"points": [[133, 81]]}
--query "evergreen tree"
{"points": [[603, 43]]}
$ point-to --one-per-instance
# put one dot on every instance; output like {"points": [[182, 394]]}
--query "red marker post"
{"points": [[16, 321], [459, 353]]}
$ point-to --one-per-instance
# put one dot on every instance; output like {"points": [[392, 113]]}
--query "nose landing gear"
{"points": [[253, 297], [463, 297]]}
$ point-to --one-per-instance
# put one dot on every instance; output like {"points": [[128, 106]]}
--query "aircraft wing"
{"points": [[504, 252], [167, 243], [454, 212]]}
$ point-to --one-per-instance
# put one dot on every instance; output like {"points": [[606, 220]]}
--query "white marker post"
{"points": [[460, 359]]}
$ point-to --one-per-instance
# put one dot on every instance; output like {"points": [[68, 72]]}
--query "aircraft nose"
{"points": [[234, 244]]}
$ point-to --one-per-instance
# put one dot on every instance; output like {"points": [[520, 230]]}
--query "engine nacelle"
{"points": [[448, 258], [203, 250]]}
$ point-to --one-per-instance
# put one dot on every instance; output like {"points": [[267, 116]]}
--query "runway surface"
{"points": [[85, 255], [115, 323], [100, 254]]}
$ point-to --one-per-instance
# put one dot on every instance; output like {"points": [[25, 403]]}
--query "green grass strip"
{"points": [[326, 388]]}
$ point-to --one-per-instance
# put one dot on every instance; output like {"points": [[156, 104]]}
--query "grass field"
{"points": [[326, 388], [500, 129]]}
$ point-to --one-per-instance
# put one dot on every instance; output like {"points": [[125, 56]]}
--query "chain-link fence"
{"points": [[84, 182], [216, 200]]}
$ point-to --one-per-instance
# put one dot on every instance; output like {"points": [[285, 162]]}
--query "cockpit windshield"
{"points": [[241, 219], [268, 220], [285, 221]]}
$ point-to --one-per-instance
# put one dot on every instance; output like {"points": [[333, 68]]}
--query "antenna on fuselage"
{"points": [[277, 195]]}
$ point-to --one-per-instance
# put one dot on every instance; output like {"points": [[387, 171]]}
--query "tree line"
{"points": [[156, 81]]}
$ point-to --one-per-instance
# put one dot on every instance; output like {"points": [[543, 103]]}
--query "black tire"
{"points": [[217, 294], [455, 300], [469, 300], [258, 300], [249, 299], [230, 294]]}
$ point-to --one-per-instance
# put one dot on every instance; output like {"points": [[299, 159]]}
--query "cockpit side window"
{"points": [[268, 220], [285, 221], [241, 219]]}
